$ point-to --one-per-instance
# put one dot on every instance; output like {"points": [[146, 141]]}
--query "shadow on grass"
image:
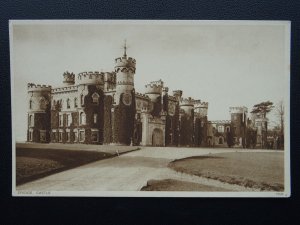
{"points": [[32, 164]]}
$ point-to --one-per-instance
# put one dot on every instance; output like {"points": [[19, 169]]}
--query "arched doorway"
{"points": [[220, 140], [157, 137]]}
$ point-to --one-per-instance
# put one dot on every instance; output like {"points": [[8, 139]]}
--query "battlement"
{"points": [[38, 87], [240, 109], [172, 98], [90, 77], [154, 87], [165, 90], [64, 89], [199, 104], [177, 93], [125, 62], [187, 102], [140, 95]]}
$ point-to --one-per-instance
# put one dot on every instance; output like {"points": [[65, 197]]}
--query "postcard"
{"points": [[150, 108]]}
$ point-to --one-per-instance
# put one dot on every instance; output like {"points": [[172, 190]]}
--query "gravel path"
{"points": [[128, 172]]}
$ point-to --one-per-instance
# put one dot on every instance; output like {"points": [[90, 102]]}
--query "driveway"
{"points": [[127, 172]]}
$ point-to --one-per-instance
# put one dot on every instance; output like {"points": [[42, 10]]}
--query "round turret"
{"points": [[201, 108], [91, 77], [177, 94], [187, 105], [154, 89], [125, 69], [69, 78], [38, 97]]}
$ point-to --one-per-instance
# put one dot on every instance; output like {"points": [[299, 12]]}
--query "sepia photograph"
{"points": [[150, 108]]}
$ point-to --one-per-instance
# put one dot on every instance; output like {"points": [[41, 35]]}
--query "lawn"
{"points": [[261, 170], [176, 185], [34, 163]]}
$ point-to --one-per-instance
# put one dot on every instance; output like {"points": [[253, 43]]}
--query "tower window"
{"points": [[42, 103], [95, 97], [31, 121], [60, 120], [81, 136], [95, 118], [82, 118], [75, 135], [30, 104], [42, 135], [82, 100], [60, 137], [68, 103], [69, 119], [75, 103], [30, 135], [68, 136]]}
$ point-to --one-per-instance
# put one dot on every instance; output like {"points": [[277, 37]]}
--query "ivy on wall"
{"points": [[107, 125], [124, 119]]}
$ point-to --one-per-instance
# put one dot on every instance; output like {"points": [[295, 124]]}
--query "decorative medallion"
{"points": [[127, 99]]}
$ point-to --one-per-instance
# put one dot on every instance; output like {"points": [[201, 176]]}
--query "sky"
{"points": [[222, 63]]}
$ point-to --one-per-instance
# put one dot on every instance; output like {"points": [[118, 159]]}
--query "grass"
{"points": [[34, 163], [260, 170], [176, 185]]}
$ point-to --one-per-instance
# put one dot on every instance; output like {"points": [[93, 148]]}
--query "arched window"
{"points": [[30, 104], [75, 102], [82, 118], [68, 103], [31, 121], [81, 99], [95, 117], [95, 97], [42, 103]]}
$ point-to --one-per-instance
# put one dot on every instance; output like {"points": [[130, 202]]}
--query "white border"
{"points": [[287, 178]]}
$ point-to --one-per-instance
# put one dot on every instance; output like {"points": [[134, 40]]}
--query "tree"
{"points": [[280, 114], [263, 108]]}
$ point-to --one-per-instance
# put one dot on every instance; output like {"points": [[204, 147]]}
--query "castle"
{"points": [[103, 108]]}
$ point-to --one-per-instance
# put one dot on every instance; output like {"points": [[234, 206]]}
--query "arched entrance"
{"points": [[221, 140], [157, 137]]}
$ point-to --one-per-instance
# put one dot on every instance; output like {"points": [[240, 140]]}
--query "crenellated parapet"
{"points": [[187, 102], [125, 63], [38, 87], [201, 104], [64, 89], [91, 78], [239, 109], [154, 87], [140, 95]]}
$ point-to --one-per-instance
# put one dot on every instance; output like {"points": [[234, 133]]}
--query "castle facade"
{"points": [[104, 108]]}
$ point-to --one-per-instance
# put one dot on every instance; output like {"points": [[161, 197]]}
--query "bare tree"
{"points": [[279, 110]]}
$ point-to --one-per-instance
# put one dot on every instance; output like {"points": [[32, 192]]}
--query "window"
{"points": [[30, 104], [75, 136], [95, 136], [68, 136], [95, 97], [69, 119], [42, 103], [68, 103], [81, 136], [95, 118], [30, 135], [42, 135], [61, 120], [221, 129], [82, 100], [31, 121], [60, 137], [53, 136], [75, 103], [82, 118]]}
